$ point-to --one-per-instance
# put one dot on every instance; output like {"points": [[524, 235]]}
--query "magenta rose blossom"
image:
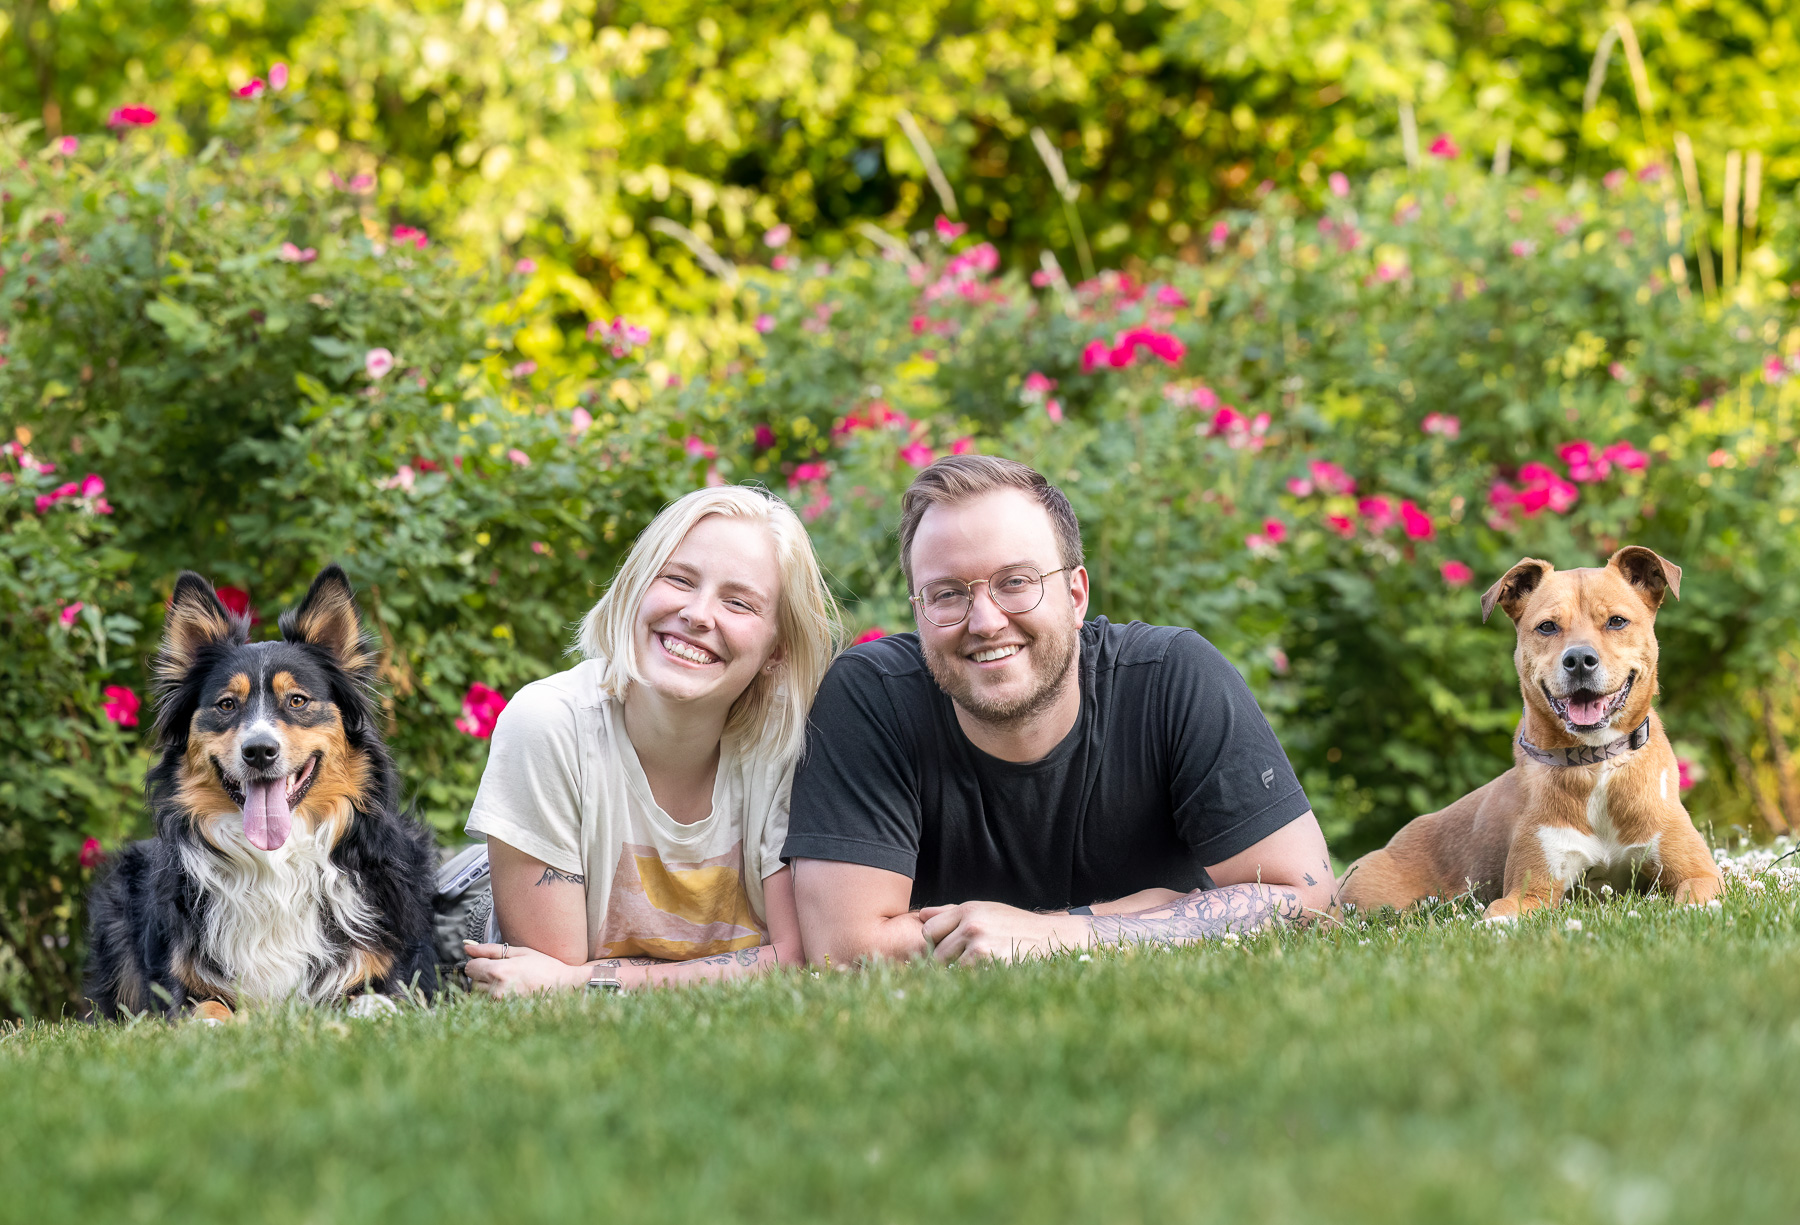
{"points": [[122, 705], [480, 711], [92, 853]]}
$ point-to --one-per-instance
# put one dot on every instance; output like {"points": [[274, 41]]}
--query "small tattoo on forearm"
{"points": [[1201, 915], [1307, 877], [551, 876]]}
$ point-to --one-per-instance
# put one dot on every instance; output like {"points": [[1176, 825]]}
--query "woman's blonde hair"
{"points": [[771, 713]]}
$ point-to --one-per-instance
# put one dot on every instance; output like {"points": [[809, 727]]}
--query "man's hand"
{"points": [[989, 931]]}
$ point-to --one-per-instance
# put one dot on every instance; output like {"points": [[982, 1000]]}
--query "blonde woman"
{"points": [[634, 806]]}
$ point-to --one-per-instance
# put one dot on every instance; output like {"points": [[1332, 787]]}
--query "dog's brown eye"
{"points": [[1546, 628], [227, 704], [296, 700], [1616, 623]]}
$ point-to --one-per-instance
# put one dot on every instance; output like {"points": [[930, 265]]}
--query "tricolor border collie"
{"points": [[282, 867]]}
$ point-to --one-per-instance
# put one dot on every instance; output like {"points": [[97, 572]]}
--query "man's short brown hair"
{"points": [[958, 478]]}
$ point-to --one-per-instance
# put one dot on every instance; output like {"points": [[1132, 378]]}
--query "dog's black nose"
{"points": [[260, 753], [1580, 660]]}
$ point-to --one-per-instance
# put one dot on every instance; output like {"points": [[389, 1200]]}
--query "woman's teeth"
{"points": [[687, 651], [988, 657]]}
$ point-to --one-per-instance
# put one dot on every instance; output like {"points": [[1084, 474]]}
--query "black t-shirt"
{"points": [[1170, 767]]}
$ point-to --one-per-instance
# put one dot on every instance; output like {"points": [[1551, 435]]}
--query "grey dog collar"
{"points": [[1589, 755]]}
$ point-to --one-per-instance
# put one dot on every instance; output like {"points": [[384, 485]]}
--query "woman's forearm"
{"points": [[636, 972]]}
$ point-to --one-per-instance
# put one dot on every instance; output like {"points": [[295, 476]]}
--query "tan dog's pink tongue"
{"points": [[266, 815], [1585, 713]]}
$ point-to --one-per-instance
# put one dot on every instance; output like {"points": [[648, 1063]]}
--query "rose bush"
{"points": [[1317, 447]]}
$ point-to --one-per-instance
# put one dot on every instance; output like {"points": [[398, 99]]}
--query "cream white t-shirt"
{"points": [[563, 784]]}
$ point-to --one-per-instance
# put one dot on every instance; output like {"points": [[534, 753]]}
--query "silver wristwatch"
{"points": [[602, 983]]}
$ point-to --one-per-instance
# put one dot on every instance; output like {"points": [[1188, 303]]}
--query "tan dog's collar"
{"points": [[1589, 755]]}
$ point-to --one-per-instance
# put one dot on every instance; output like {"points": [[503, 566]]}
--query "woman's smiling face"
{"points": [[708, 623]]}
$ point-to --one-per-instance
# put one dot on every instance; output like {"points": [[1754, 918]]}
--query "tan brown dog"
{"points": [[1594, 795]]}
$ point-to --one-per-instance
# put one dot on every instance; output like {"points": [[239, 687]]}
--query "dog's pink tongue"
{"points": [[1586, 713], [266, 815]]}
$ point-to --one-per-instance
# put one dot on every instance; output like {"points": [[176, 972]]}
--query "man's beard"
{"points": [[1051, 658]]}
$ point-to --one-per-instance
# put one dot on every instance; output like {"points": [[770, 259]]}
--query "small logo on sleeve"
{"points": [[1268, 777]]}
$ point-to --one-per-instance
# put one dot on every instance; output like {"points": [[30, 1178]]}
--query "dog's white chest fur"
{"points": [[1597, 857], [266, 918]]}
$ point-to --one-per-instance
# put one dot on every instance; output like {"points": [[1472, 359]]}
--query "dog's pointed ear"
{"points": [[196, 620], [327, 618], [1651, 575], [1514, 586]]}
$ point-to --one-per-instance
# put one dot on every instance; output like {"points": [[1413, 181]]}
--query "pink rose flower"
{"points": [[1586, 465], [764, 324], [539, 547], [525, 267], [777, 236], [519, 458], [765, 437], [962, 446], [278, 76], [1445, 148], [236, 601], [1300, 487], [1339, 183], [298, 255], [948, 230], [917, 454], [92, 852], [121, 705], [70, 612], [580, 422], [131, 117], [1684, 773], [1053, 409], [67, 145], [1331, 478], [1523, 248], [406, 235], [1275, 530], [1624, 455], [1217, 237], [253, 89], [1442, 423], [1416, 522], [481, 709], [1378, 512], [1613, 180], [1343, 525], [378, 362], [1456, 573], [870, 635]]}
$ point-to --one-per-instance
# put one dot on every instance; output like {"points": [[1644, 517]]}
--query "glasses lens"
{"points": [[944, 603], [1017, 591]]}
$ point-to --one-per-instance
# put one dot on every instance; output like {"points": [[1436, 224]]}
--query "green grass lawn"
{"points": [[1643, 1068]]}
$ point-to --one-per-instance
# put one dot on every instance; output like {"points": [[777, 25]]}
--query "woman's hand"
{"points": [[512, 969]]}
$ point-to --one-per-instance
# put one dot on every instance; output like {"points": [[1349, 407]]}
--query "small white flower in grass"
{"points": [[377, 362], [1714, 905], [1632, 914], [1573, 925], [1361, 943], [1084, 957], [899, 995], [1606, 890], [1229, 938], [1754, 884]]}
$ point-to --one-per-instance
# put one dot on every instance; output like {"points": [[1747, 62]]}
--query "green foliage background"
{"points": [[155, 333]]}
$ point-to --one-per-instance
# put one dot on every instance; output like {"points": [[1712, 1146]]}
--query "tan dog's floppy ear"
{"points": [[1651, 574], [195, 621], [1517, 583], [327, 618]]}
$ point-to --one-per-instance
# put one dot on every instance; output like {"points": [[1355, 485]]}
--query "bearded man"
{"points": [[1013, 780]]}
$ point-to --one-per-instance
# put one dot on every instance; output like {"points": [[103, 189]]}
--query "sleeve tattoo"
{"points": [[1201, 915], [551, 876]]}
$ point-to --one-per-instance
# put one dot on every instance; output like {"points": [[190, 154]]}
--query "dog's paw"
{"points": [[371, 1006], [212, 1012]]}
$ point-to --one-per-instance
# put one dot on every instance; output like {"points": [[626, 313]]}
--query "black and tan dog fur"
{"points": [[282, 866]]}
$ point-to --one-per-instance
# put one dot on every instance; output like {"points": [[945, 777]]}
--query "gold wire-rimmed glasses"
{"points": [[1015, 589]]}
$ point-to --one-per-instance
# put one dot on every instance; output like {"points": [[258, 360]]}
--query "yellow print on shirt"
{"points": [[678, 911]]}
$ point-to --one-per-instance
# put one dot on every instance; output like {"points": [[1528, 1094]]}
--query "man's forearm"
{"points": [[1204, 914]]}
